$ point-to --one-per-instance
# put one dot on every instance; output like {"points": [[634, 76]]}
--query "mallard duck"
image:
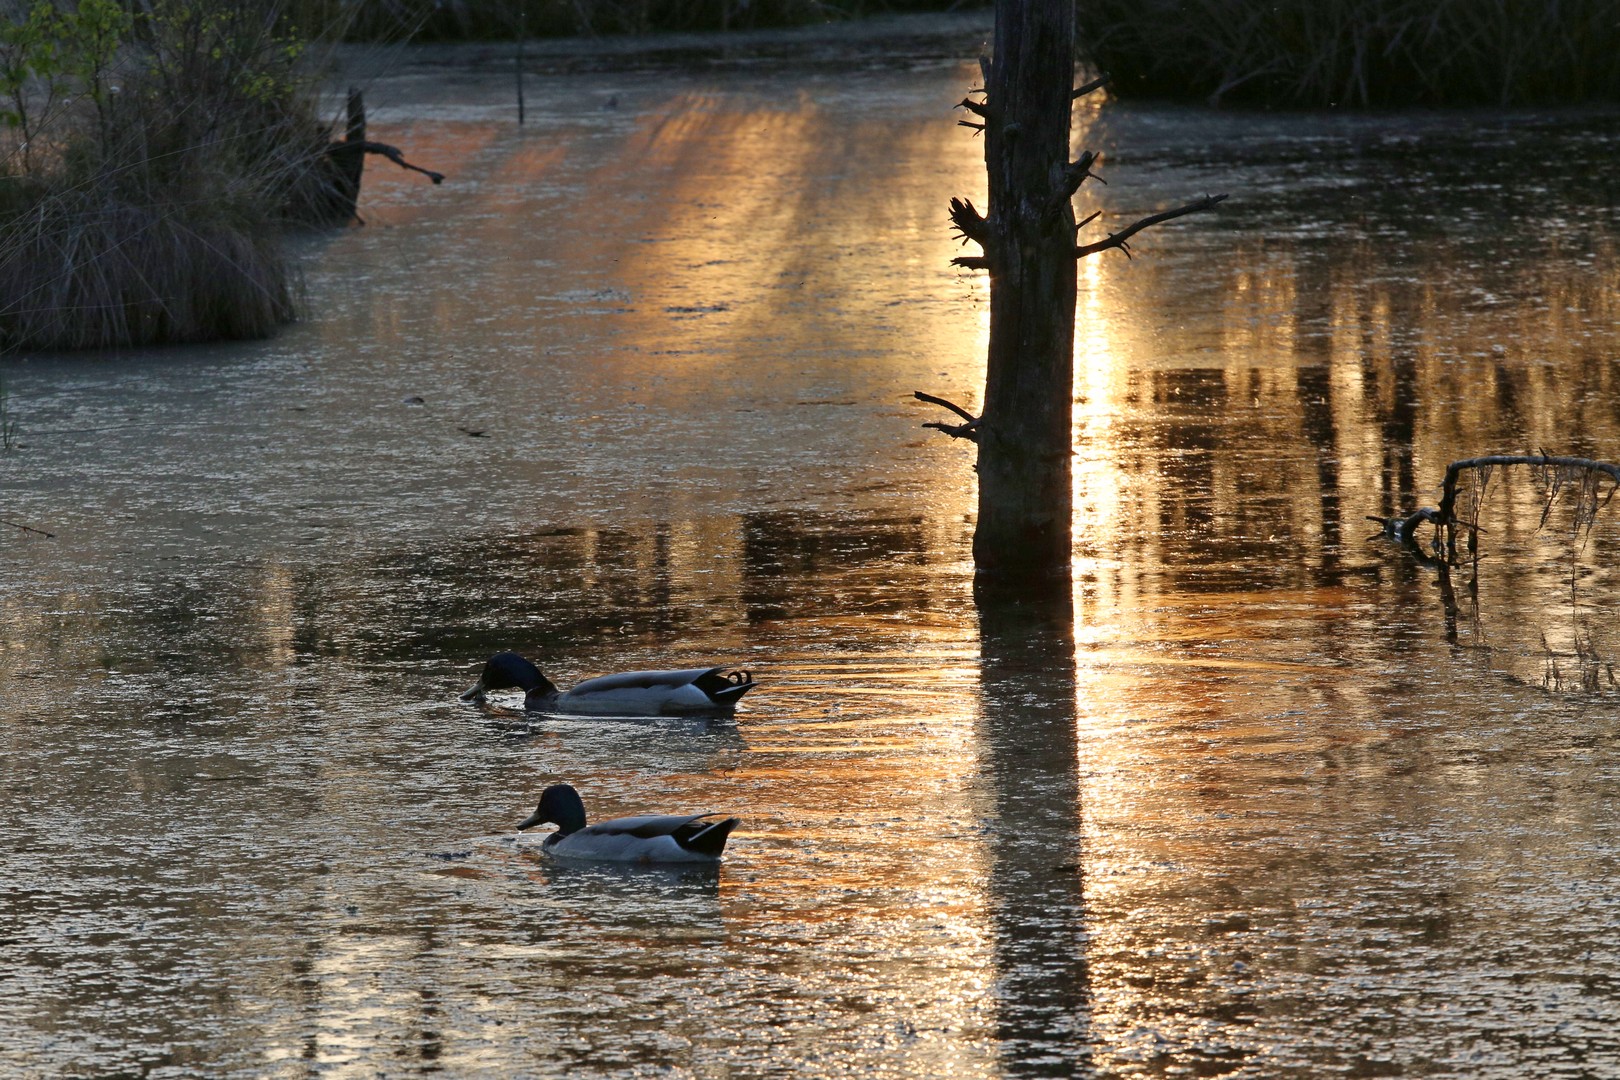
{"points": [[633, 693], [668, 838]]}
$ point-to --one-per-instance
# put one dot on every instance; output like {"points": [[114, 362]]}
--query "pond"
{"points": [[633, 389]]}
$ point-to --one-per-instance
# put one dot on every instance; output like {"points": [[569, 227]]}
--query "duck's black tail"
{"points": [[706, 837], [725, 688]]}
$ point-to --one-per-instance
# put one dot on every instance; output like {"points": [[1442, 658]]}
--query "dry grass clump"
{"points": [[149, 159], [84, 269], [1313, 53]]}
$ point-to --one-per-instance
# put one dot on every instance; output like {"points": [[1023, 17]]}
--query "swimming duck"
{"points": [[668, 838], [633, 693]]}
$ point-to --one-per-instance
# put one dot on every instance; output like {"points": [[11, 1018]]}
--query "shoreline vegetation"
{"points": [[153, 153], [1316, 54], [150, 160]]}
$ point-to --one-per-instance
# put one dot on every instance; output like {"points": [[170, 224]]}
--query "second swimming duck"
{"points": [[687, 692]]}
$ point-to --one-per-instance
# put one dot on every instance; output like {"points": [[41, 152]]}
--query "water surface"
{"points": [[633, 389]]}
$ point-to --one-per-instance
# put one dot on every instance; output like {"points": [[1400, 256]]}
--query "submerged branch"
{"points": [[1118, 240], [1448, 488], [29, 529], [1556, 472], [392, 153]]}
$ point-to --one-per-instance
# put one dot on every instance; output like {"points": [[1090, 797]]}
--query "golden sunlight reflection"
{"points": [[751, 259], [1261, 321], [278, 613], [1098, 401], [356, 1001]]}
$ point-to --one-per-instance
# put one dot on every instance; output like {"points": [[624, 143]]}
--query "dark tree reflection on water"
{"points": [[1027, 726]]}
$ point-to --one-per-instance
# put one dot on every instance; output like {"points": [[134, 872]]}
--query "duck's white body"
{"points": [[640, 693], [662, 838], [635, 839], [686, 692]]}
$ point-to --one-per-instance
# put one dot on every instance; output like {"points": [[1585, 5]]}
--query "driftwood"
{"points": [[1558, 472], [342, 163], [30, 529]]}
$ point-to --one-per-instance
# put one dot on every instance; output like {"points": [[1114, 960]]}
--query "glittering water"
{"points": [[632, 389]]}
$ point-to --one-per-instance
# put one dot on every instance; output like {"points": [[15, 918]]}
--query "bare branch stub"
{"points": [[967, 430], [1094, 85], [969, 222], [1076, 172], [1118, 240]]}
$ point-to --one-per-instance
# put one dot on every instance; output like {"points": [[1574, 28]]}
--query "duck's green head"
{"points": [[560, 805], [504, 671]]}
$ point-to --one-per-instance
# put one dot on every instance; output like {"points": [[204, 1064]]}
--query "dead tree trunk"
{"points": [[332, 191], [1028, 237], [1028, 241]]}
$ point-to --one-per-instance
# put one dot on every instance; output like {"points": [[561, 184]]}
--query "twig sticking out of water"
{"points": [[393, 154]]}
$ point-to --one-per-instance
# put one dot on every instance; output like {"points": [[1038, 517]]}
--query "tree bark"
{"points": [[1024, 434], [1030, 243]]}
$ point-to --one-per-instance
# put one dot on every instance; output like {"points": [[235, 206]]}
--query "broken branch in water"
{"points": [[968, 430], [1448, 488], [1557, 472], [392, 153], [1117, 240]]}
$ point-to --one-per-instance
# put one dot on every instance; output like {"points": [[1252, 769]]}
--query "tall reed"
{"points": [[1359, 53]]}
